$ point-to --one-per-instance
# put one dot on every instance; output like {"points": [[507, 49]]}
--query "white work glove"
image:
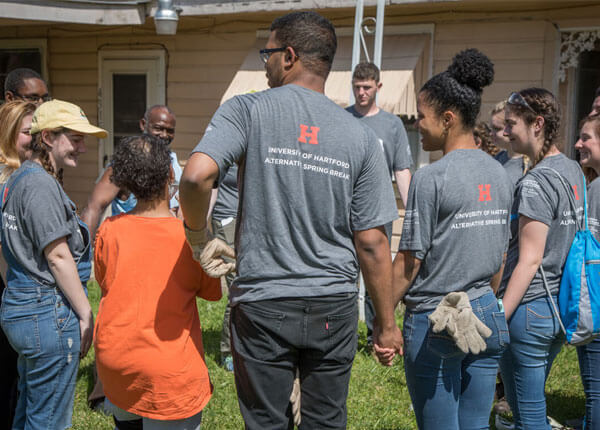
{"points": [[208, 251], [455, 315]]}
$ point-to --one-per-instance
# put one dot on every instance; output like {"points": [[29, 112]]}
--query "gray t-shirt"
{"points": [[37, 213], [226, 205], [515, 168], [541, 197], [392, 138], [311, 176], [457, 224], [593, 199]]}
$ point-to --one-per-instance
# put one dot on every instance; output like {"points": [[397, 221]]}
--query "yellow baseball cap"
{"points": [[58, 113]]}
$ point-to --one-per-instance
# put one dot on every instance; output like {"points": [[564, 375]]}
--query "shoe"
{"points": [[503, 423], [501, 407], [227, 363], [554, 424]]}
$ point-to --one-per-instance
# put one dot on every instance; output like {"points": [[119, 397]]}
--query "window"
{"points": [[22, 53]]}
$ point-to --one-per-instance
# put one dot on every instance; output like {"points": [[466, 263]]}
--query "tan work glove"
{"points": [[471, 332], [445, 314], [208, 251], [455, 315]]}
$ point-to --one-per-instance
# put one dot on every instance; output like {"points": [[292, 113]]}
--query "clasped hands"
{"points": [[209, 252]]}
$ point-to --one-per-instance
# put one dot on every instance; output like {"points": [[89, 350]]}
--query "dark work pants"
{"points": [[271, 338]]}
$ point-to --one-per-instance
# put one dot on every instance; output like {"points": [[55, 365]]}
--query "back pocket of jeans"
{"points": [[540, 323], [341, 335], [257, 331], [442, 345], [23, 334]]}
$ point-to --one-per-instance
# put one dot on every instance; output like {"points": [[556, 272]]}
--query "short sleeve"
{"points": [[373, 200], [536, 199], [403, 156], [420, 215], [45, 215], [210, 288], [225, 138]]}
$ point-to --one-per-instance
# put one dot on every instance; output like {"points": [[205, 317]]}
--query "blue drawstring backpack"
{"points": [[579, 294]]}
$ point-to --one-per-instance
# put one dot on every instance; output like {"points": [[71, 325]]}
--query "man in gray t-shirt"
{"points": [[314, 196], [392, 138]]}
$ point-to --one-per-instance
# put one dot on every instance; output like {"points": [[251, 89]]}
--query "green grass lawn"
{"points": [[378, 397]]}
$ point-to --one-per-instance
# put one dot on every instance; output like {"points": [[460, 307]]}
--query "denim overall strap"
{"points": [[84, 261]]}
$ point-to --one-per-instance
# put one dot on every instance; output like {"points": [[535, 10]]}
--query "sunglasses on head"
{"points": [[517, 99]]}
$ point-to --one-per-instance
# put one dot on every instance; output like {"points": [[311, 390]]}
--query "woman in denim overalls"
{"points": [[45, 312]]}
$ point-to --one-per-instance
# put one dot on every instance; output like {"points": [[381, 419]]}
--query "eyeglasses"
{"points": [[34, 97], [266, 53], [517, 99]]}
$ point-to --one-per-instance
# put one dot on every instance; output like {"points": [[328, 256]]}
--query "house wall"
{"points": [[207, 51]]}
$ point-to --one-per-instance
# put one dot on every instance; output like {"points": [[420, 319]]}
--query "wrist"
{"points": [[196, 228]]}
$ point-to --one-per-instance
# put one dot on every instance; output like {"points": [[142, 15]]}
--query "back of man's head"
{"points": [[16, 79], [311, 35], [366, 72]]}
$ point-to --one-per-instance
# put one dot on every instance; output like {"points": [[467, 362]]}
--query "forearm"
{"points": [[402, 183], [517, 285], [376, 266], [64, 270], [195, 189], [405, 269], [91, 216], [497, 278]]}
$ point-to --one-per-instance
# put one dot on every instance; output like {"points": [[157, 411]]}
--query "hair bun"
{"points": [[472, 68]]}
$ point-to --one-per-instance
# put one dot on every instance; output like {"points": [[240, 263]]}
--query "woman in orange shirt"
{"points": [[148, 339]]}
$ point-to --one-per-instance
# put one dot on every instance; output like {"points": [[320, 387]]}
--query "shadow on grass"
{"points": [[564, 406], [85, 376], [211, 338]]}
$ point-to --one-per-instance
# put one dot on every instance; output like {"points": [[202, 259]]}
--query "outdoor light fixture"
{"points": [[166, 17]]}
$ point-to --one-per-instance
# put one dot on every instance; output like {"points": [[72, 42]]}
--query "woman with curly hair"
{"points": [[543, 227], [148, 339], [453, 239], [45, 312]]}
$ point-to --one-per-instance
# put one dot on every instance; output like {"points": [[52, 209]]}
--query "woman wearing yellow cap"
{"points": [[45, 312]]}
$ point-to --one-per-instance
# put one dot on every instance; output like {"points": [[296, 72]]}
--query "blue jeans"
{"points": [[43, 329], [270, 339], [535, 340], [589, 366], [448, 388]]}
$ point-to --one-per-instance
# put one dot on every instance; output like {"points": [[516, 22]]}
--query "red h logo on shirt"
{"points": [[575, 191], [484, 193], [312, 135]]}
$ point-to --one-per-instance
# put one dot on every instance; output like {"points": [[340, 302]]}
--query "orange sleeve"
{"points": [[99, 257], [209, 288]]}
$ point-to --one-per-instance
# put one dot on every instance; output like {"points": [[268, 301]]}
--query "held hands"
{"points": [[209, 252], [387, 343], [455, 315]]}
